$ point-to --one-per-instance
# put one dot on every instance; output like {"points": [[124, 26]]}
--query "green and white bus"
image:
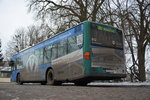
{"points": [[87, 52]]}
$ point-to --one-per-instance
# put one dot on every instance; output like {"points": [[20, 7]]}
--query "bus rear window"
{"points": [[106, 36]]}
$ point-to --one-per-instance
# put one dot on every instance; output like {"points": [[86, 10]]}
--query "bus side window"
{"points": [[19, 63], [25, 60], [54, 51], [47, 54], [72, 44], [39, 56], [62, 48]]}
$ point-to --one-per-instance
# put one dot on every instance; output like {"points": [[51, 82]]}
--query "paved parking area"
{"points": [[11, 91]]}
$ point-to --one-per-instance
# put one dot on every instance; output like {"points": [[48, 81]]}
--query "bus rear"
{"points": [[103, 52]]}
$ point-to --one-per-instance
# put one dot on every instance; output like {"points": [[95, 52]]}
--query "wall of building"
{"points": [[4, 80]]}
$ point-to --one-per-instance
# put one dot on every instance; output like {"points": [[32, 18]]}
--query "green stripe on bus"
{"points": [[87, 44]]}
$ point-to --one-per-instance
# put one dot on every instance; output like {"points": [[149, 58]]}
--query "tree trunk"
{"points": [[141, 60]]}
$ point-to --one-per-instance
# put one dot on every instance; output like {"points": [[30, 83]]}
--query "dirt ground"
{"points": [[11, 91]]}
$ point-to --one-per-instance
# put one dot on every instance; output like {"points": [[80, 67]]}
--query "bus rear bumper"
{"points": [[94, 77], [105, 76]]}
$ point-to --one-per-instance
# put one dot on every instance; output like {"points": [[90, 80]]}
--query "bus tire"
{"points": [[18, 80], [50, 77]]}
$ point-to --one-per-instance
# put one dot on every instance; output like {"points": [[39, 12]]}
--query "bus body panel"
{"points": [[14, 75], [32, 71], [34, 75], [69, 67], [109, 59], [87, 45]]}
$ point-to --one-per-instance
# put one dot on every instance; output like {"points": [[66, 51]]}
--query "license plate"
{"points": [[110, 71]]}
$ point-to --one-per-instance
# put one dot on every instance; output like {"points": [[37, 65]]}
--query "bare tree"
{"points": [[24, 38], [134, 18], [33, 35], [139, 21], [17, 43], [66, 12], [1, 56]]}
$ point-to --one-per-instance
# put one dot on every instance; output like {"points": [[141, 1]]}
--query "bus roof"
{"points": [[99, 23]]}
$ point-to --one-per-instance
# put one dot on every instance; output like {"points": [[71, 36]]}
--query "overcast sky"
{"points": [[13, 15]]}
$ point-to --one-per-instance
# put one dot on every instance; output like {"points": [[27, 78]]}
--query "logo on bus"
{"points": [[32, 63]]}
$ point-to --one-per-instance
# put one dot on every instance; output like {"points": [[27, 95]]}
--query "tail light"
{"points": [[93, 69], [87, 55]]}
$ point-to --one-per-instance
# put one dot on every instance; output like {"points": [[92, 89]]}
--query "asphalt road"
{"points": [[11, 91]]}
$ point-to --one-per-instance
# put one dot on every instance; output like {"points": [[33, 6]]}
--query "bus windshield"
{"points": [[106, 36]]}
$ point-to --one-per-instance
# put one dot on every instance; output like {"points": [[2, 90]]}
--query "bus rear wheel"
{"points": [[50, 77], [18, 80], [51, 80]]}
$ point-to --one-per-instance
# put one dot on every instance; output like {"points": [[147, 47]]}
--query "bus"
{"points": [[87, 52]]}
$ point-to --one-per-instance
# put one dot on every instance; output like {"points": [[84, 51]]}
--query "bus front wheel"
{"points": [[18, 80]]}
